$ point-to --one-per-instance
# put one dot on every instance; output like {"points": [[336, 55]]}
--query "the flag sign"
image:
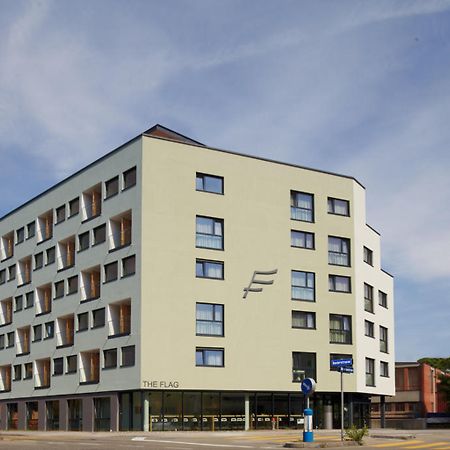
{"points": [[341, 362], [346, 369]]}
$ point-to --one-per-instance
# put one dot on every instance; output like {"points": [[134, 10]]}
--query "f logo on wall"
{"points": [[254, 280]]}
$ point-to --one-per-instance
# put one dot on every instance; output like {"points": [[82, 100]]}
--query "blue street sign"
{"points": [[346, 369], [341, 362], [308, 386]]}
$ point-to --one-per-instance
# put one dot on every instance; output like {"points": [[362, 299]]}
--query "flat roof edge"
{"points": [[244, 155]]}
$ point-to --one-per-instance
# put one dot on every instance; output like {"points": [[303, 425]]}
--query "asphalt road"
{"points": [[379, 439]]}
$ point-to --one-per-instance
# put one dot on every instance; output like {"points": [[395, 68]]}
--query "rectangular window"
{"points": [[2, 276], [51, 254], [128, 356], [20, 235], [111, 271], [2, 341], [29, 299], [303, 366], [340, 329], [383, 339], [74, 207], [112, 187], [302, 239], [382, 299], [128, 266], [303, 319], [129, 178], [302, 206], [83, 321], [58, 366], [338, 206], [19, 303], [209, 183], [303, 285], [28, 371], [209, 319], [71, 364], [209, 357], [10, 339], [98, 318], [49, 330], [368, 256], [17, 372], [99, 234], [31, 230], [12, 272], [335, 356], [369, 328], [59, 289], [370, 372], [384, 369], [83, 241], [72, 285], [61, 214], [338, 251], [38, 260], [368, 297], [337, 283], [209, 233], [209, 269], [110, 358], [37, 333]]}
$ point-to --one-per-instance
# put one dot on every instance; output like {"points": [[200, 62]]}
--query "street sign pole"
{"points": [[342, 403]]}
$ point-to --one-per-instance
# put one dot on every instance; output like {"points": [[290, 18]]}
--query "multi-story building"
{"points": [[417, 396], [122, 294]]}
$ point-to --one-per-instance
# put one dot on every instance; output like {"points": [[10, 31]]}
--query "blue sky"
{"points": [[356, 87]]}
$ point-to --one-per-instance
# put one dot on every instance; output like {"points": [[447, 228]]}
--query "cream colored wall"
{"points": [[259, 340]]}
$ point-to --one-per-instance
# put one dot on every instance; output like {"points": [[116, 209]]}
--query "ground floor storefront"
{"points": [[176, 410]]}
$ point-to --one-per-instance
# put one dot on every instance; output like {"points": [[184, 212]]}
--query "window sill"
{"points": [[64, 346], [340, 292], [22, 354], [6, 259], [43, 313], [65, 268], [71, 293], [71, 372], [97, 327], [341, 343], [57, 374], [210, 335], [73, 215], [337, 214], [111, 196], [98, 243], [86, 300], [127, 275], [304, 248], [109, 368], [302, 300], [120, 247], [339, 265], [84, 383], [42, 387], [209, 192], [91, 218], [304, 328], [210, 248], [6, 324], [44, 240], [213, 367], [112, 336], [301, 220], [81, 331], [208, 278], [128, 187], [128, 365]]}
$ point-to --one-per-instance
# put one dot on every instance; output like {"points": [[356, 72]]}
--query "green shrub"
{"points": [[356, 434]]}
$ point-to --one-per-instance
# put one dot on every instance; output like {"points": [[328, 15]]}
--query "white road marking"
{"points": [[193, 443]]}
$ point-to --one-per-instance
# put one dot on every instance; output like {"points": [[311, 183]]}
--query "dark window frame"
{"points": [[306, 234], [332, 206], [295, 208]]}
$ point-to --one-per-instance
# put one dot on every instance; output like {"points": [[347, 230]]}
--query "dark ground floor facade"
{"points": [[174, 410]]}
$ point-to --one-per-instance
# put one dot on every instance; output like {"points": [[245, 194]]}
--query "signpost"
{"points": [[308, 386], [344, 366]]}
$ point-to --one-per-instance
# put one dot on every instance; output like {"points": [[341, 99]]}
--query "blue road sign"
{"points": [[341, 362], [346, 369], [308, 386]]}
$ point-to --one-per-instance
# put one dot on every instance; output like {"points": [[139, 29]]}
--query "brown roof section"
{"points": [[166, 133]]}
